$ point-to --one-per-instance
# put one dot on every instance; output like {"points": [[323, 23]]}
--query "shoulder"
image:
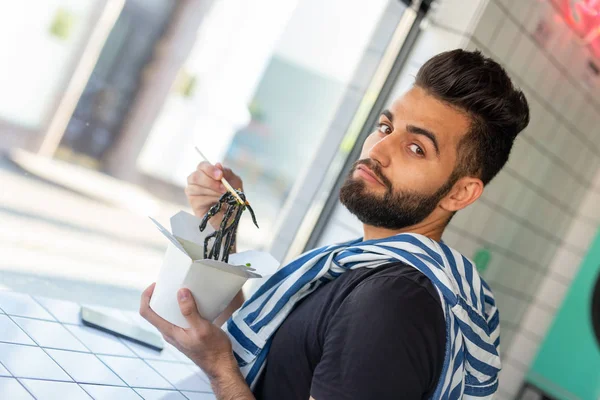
{"points": [[396, 282]]}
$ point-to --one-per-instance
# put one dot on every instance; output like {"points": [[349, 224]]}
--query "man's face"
{"points": [[406, 163]]}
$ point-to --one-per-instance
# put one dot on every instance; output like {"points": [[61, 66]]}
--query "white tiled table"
{"points": [[46, 353]]}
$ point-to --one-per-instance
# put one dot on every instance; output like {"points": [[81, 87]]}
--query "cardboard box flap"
{"points": [[264, 263], [232, 269], [169, 236], [195, 251], [187, 226]]}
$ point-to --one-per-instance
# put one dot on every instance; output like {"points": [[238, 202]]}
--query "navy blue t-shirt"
{"points": [[369, 334]]}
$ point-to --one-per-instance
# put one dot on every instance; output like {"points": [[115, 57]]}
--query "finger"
{"points": [[147, 294], [232, 177], [210, 170], [196, 190], [165, 327], [188, 308], [200, 178]]}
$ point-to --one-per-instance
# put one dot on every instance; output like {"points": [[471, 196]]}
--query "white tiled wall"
{"points": [[539, 215]]}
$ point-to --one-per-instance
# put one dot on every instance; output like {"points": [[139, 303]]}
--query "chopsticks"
{"points": [[224, 182]]}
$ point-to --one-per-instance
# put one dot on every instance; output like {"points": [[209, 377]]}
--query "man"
{"points": [[397, 313]]}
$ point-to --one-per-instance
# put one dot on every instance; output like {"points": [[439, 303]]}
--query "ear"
{"points": [[464, 192]]}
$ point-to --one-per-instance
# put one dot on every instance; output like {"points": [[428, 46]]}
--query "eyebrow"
{"points": [[420, 131], [388, 114]]}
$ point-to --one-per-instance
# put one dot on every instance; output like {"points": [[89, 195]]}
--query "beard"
{"points": [[393, 210]]}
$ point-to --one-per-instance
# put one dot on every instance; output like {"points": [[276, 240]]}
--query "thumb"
{"points": [[188, 308]]}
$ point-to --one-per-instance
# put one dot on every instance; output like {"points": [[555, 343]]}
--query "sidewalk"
{"points": [[85, 245]]}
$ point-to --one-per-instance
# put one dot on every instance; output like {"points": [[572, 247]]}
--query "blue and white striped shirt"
{"points": [[471, 362]]}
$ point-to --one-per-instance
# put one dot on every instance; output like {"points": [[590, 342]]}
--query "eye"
{"points": [[415, 148], [384, 128]]}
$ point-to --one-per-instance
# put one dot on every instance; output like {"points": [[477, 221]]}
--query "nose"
{"points": [[382, 150]]}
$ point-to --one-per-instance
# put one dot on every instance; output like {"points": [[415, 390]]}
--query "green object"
{"points": [[256, 111], [62, 24], [248, 265], [482, 259], [567, 365]]}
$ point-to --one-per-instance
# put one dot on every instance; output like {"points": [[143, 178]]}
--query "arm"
{"points": [[204, 343]]}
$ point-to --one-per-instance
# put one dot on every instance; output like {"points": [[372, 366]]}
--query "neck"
{"points": [[433, 229]]}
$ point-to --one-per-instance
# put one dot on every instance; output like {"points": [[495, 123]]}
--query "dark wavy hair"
{"points": [[480, 87]]}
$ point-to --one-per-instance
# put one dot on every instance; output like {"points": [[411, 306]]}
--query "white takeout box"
{"points": [[212, 283]]}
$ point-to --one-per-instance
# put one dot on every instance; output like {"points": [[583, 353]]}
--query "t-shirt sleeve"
{"points": [[382, 343]]}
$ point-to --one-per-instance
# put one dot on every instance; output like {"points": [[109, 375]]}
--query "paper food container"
{"points": [[212, 283]]}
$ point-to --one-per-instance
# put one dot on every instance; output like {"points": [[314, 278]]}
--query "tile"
{"points": [[100, 342], [550, 293], [93, 371], [10, 332], [22, 305], [506, 338], [451, 238], [523, 349], [459, 15], [50, 334], [435, 40], [64, 311], [537, 320], [547, 81], [150, 354], [468, 247], [480, 217], [501, 395], [99, 392], [507, 4], [49, 390], [199, 396], [511, 378], [511, 308], [181, 376], [521, 10], [198, 371], [150, 394], [565, 263], [505, 39], [136, 373], [581, 233], [574, 106], [179, 355], [563, 97], [488, 23], [30, 362], [542, 12], [523, 55], [4, 371], [564, 49], [10, 388]]}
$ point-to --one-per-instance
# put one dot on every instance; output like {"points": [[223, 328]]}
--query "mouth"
{"points": [[367, 174]]}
